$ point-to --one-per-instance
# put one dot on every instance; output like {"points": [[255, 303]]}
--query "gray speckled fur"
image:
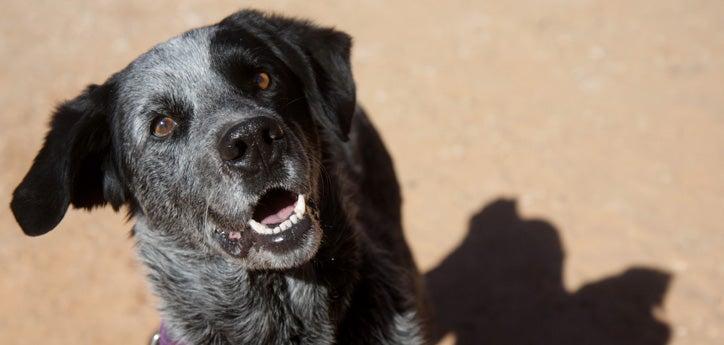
{"points": [[211, 299]]}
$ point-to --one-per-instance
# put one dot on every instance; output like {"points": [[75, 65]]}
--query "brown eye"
{"points": [[163, 126], [262, 80]]}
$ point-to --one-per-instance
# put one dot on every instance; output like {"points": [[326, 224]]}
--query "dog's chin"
{"points": [[283, 232]]}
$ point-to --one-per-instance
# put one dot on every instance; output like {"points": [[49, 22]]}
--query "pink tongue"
{"points": [[278, 217]]}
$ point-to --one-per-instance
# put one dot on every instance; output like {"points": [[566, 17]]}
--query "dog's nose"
{"points": [[252, 144]]}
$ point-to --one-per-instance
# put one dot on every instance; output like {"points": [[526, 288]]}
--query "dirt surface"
{"points": [[561, 161]]}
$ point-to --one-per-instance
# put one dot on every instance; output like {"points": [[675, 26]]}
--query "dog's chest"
{"points": [[284, 310], [260, 309]]}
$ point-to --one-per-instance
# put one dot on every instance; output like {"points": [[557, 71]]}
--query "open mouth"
{"points": [[277, 211], [280, 222]]}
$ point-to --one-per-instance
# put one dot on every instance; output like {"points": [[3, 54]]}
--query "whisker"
{"points": [[292, 101]]}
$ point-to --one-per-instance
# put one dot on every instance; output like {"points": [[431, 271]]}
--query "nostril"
{"points": [[270, 135], [233, 150], [267, 136], [273, 133], [240, 149]]}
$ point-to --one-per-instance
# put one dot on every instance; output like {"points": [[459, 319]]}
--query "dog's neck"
{"points": [[224, 303]]}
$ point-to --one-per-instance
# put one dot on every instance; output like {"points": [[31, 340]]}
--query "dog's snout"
{"points": [[252, 144]]}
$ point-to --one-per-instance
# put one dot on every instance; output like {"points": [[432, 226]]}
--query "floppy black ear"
{"points": [[330, 58], [75, 165]]}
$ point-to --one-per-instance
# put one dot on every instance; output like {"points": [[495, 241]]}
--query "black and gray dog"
{"points": [[266, 207]]}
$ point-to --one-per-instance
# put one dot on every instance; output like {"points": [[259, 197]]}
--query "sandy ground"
{"points": [[561, 162]]}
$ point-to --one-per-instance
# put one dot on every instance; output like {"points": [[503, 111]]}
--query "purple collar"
{"points": [[163, 338]]}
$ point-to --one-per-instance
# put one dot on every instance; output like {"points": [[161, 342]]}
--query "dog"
{"points": [[266, 207]]}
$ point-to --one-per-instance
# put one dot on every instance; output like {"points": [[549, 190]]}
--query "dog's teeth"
{"points": [[300, 206], [285, 225], [259, 228]]}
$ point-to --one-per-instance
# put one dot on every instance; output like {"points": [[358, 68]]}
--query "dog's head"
{"points": [[213, 138]]}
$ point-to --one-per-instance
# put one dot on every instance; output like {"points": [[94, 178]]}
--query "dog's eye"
{"points": [[163, 126], [262, 80]]}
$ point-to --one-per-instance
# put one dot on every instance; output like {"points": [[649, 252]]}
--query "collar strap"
{"points": [[162, 337]]}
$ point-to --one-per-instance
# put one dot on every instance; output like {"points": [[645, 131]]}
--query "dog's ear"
{"points": [[75, 165], [334, 101]]}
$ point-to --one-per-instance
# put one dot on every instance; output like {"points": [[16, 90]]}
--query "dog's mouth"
{"points": [[277, 211], [280, 222]]}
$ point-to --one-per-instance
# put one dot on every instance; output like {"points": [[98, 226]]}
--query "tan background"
{"points": [[605, 119]]}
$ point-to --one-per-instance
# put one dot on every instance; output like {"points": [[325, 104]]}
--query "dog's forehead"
{"points": [[180, 66]]}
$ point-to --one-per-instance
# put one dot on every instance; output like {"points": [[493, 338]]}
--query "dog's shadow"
{"points": [[504, 285]]}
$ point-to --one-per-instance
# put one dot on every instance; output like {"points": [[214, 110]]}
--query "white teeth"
{"points": [[286, 224], [300, 207], [260, 228]]}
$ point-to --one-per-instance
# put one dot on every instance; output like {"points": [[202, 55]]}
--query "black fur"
{"points": [[75, 166]]}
